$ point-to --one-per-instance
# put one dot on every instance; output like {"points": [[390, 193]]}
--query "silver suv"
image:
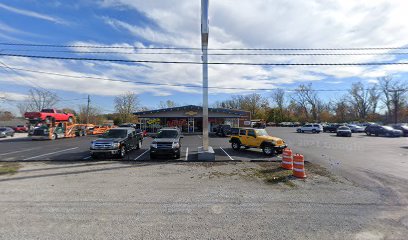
{"points": [[314, 128]]}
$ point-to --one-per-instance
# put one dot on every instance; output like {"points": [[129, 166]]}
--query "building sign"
{"points": [[191, 113]]}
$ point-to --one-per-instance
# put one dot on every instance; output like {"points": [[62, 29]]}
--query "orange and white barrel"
{"points": [[299, 166], [287, 159]]}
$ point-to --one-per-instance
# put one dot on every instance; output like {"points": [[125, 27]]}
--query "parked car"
{"points": [[6, 131], [49, 116], [343, 131], [257, 138], [331, 127], [166, 142], [20, 129], [223, 130], [116, 142], [402, 127], [355, 128], [378, 130], [314, 128]]}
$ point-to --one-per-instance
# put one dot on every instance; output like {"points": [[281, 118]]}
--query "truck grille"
{"points": [[38, 132], [102, 145], [165, 145]]}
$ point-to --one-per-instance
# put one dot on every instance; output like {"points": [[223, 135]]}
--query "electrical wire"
{"points": [[196, 48], [167, 84], [199, 54], [200, 63]]}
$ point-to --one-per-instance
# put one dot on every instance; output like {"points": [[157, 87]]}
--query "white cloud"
{"points": [[33, 14], [12, 96]]}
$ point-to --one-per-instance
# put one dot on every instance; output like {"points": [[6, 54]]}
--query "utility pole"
{"points": [[205, 152], [87, 110], [204, 45]]}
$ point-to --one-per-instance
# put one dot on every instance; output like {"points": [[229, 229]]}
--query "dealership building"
{"points": [[190, 118]]}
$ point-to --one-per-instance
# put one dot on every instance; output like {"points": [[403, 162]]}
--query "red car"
{"points": [[20, 128], [50, 115]]}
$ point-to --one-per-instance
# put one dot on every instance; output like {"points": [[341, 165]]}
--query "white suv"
{"points": [[314, 128]]}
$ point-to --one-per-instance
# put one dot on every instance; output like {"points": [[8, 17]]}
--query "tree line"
{"points": [[385, 101]]}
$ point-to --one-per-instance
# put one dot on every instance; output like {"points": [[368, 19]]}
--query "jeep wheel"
{"points": [[268, 150], [236, 145]]}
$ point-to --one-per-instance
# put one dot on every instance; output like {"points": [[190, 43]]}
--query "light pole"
{"points": [[204, 45]]}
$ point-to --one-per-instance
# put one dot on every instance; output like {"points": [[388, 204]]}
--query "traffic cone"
{"points": [[299, 166], [287, 159]]}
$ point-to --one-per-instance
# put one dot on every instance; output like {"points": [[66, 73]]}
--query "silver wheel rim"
{"points": [[235, 145], [122, 152]]}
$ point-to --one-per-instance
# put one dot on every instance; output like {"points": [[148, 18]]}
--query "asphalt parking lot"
{"points": [[77, 149], [58, 192]]}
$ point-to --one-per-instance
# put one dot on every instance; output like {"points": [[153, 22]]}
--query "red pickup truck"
{"points": [[50, 115]]}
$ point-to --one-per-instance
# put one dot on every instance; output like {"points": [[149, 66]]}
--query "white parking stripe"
{"points": [[186, 153], [199, 136], [46, 154], [26, 150], [141, 154], [226, 153], [86, 158]]}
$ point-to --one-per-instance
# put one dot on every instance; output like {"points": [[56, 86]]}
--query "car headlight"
{"points": [[115, 145], [153, 145], [175, 145], [2, 133]]}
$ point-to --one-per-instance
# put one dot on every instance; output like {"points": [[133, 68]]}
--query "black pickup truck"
{"points": [[116, 142]]}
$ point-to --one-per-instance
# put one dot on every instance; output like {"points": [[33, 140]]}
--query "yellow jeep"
{"points": [[257, 138]]}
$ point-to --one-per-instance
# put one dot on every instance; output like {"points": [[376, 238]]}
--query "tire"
{"points": [[152, 156], [122, 152], [368, 133], [302, 131], [376, 134], [349, 135], [313, 130], [178, 155], [236, 145], [54, 136], [12, 135], [338, 135], [246, 147], [94, 156], [298, 130], [70, 120], [268, 150]]}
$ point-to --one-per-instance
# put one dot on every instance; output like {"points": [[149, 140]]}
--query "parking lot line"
{"points": [[86, 158], [141, 154], [187, 154], [198, 136], [226, 153], [19, 151], [46, 154]]}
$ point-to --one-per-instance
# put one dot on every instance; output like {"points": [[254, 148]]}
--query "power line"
{"points": [[193, 48], [168, 84], [199, 54], [199, 63]]}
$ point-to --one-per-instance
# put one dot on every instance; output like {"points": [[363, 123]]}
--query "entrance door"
{"points": [[191, 125]]}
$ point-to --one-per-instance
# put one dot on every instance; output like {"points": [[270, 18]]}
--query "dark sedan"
{"points": [[386, 131], [403, 128], [6, 131]]}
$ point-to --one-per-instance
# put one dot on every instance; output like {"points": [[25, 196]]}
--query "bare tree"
{"points": [[308, 100], [95, 115], [126, 105], [373, 98], [394, 92], [168, 104], [278, 97], [38, 99], [360, 100]]}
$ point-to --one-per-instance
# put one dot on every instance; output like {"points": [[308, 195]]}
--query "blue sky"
{"points": [[233, 24]]}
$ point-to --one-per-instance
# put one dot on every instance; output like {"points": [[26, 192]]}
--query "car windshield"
{"points": [[167, 134], [343, 128], [261, 132], [3, 129], [115, 133]]}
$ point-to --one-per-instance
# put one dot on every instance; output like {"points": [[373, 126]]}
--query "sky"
{"points": [[176, 23]]}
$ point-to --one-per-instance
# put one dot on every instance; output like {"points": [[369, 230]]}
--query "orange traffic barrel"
{"points": [[299, 166], [287, 159]]}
